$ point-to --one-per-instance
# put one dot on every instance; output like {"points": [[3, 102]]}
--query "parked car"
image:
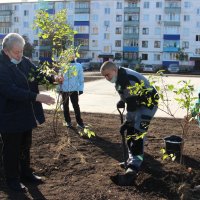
{"points": [[173, 68], [86, 66], [149, 68]]}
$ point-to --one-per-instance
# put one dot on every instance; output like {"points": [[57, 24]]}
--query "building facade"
{"points": [[158, 32]]}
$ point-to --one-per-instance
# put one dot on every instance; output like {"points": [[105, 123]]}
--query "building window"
{"points": [[36, 54], [198, 11], [35, 43], [81, 5], [131, 42], [186, 31], [118, 30], [118, 56], [106, 36], [144, 56], [156, 44], [119, 5], [107, 23], [158, 4], [36, 6], [146, 17], [198, 24], [132, 4], [26, 25], [94, 43], [130, 55], [157, 57], [16, 7], [95, 30], [197, 37], [82, 42], [185, 44], [95, 18], [157, 31], [26, 12], [145, 31], [16, 19], [131, 17], [16, 30], [82, 29], [4, 18], [186, 18], [146, 4], [118, 18], [4, 30], [187, 4], [197, 51], [107, 10], [145, 44], [106, 49], [93, 55], [131, 30], [118, 43], [158, 18]]}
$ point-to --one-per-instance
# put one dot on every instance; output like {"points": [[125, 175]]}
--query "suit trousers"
{"points": [[16, 153]]}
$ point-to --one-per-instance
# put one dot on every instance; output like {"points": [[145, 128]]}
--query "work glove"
{"points": [[80, 92], [120, 104], [124, 127]]}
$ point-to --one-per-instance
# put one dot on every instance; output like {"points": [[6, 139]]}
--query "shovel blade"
{"points": [[124, 180]]}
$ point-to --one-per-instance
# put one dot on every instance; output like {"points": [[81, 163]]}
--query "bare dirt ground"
{"points": [[78, 168]]}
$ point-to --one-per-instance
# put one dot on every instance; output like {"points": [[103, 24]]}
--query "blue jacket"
{"points": [[73, 79], [18, 109]]}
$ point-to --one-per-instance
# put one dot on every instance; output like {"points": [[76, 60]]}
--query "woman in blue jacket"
{"points": [[20, 110]]}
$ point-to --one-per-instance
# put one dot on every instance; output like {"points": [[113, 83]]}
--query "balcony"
{"points": [[176, 10], [128, 10], [45, 47], [131, 36], [170, 49], [172, 23], [130, 49], [82, 10], [131, 23], [84, 48], [5, 12], [5, 24]]}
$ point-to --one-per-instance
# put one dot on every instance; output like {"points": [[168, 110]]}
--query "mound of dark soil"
{"points": [[77, 168]]}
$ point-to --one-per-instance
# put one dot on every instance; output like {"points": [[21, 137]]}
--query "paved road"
{"points": [[100, 96]]}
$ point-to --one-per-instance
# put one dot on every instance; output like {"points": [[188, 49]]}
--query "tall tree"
{"points": [[59, 35]]}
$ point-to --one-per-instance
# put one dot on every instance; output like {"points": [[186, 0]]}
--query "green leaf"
{"points": [[165, 156]]}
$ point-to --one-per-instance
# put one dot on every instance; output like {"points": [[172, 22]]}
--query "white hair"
{"points": [[11, 39]]}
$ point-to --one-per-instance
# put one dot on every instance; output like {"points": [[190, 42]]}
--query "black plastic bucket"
{"points": [[173, 145]]}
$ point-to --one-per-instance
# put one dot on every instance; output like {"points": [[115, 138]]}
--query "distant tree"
{"points": [[28, 48]]}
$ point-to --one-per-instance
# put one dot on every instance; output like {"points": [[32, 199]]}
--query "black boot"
{"points": [[16, 185], [31, 177]]}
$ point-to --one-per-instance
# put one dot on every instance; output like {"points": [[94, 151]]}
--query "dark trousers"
{"points": [[16, 153], [136, 146], [74, 100]]}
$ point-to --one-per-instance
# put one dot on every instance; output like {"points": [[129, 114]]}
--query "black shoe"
{"points": [[32, 178], [68, 124], [15, 185], [81, 126], [131, 169]]}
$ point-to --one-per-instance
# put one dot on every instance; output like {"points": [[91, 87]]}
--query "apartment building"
{"points": [[129, 31]]}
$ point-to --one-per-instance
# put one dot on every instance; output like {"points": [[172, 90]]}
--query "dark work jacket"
{"points": [[127, 77], [18, 109]]}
